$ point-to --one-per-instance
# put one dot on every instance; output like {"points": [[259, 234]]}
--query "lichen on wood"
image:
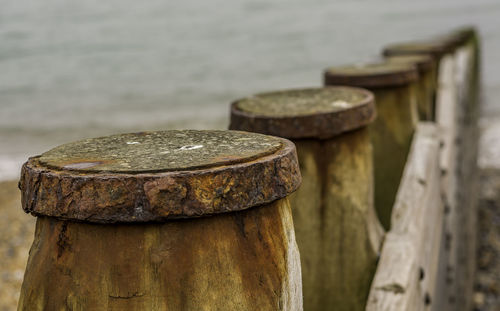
{"points": [[166, 151]]}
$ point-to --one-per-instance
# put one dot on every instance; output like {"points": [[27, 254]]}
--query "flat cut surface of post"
{"points": [[395, 89], [304, 113], [337, 229], [436, 48], [158, 151], [108, 235], [373, 75]]}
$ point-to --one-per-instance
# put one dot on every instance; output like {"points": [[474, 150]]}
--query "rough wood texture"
{"points": [[447, 118], [309, 113], [337, 229], [468, 166], [243, 257], [447, 115], [227, 177], [436, 48], [245, 260], [448, 280], [405, 277], [460, 80], [391, 136]]}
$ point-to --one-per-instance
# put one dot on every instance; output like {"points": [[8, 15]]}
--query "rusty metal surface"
{"points": [[375, 75], [304, 113], [107, 197]]}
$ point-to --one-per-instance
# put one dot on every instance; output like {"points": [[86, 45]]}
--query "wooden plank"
{"points": [[458, 166], [411, 248], [445, 248], [447, 119], [467, 180], [395, 286]]}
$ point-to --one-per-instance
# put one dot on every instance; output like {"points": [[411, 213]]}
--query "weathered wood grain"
{"points": [[395, 89], [426, 84], [242, 257], [391, 136], [447, 282], [447, 114], [337, 229], [338, 233], [463, 86], [235, 261], [404, 278], [468, 196]]}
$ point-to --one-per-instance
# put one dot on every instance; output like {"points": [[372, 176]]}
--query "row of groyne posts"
{"points": [[357, 195]]}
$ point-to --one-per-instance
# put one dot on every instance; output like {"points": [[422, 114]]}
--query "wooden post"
{"points": [[435, 48], [469, 173], [394, 86], [426, 84], [123, 223], [337, 230], [462, 81]]}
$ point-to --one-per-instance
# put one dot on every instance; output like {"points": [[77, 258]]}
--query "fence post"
{"points": [[426, 84], [122, 223], [337, 229], [435, 48], [394, 86]]}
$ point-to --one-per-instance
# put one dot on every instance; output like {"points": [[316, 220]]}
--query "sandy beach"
{"points": [[16, 235]]}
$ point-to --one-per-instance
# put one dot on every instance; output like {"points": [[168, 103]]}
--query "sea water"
{"points": [[71, 69]]}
